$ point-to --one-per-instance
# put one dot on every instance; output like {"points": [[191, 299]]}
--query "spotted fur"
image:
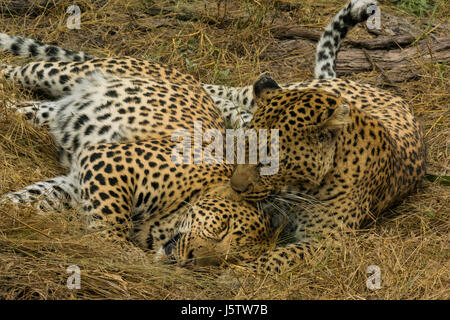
{"points": [[102, 107]]}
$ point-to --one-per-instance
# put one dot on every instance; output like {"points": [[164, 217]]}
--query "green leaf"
{"points": [[444, 180]]}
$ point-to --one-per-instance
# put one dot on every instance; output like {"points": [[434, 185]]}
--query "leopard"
{"points": [[113, 121], [116, 140], [347, 150]]}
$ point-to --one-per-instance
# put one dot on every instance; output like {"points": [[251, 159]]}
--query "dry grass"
{"points": [[227, 42]]}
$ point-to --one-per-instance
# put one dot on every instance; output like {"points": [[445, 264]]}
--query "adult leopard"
{"points": [[117, 136], [348, 150]]}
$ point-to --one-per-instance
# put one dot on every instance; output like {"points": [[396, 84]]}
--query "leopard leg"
{"points": [[54, 194], [39, 113], [315, 224], [241, 97], [280, 259], [235, 116], [107, 207], [56, 79]]}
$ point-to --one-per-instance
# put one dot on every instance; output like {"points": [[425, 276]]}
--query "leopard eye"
{"points": [[224, 226]]}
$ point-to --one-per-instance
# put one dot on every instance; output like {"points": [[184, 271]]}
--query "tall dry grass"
{"points": [[228, 42]]}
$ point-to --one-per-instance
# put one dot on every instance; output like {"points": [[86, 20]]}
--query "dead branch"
{"points": [[22, 7], [397, 64]]}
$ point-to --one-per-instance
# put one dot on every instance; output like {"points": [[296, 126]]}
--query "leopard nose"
{"points": [[240, 181], [240, 185]]}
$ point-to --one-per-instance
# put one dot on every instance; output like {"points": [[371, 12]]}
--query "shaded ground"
{"points": [[229, 42]]}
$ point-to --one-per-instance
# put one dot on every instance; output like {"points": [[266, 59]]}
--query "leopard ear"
{"points": [[339, 118], [264, 88]]}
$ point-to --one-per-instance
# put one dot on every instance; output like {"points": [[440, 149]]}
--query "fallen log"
{"points": [[22, 7], [398, 64]]}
